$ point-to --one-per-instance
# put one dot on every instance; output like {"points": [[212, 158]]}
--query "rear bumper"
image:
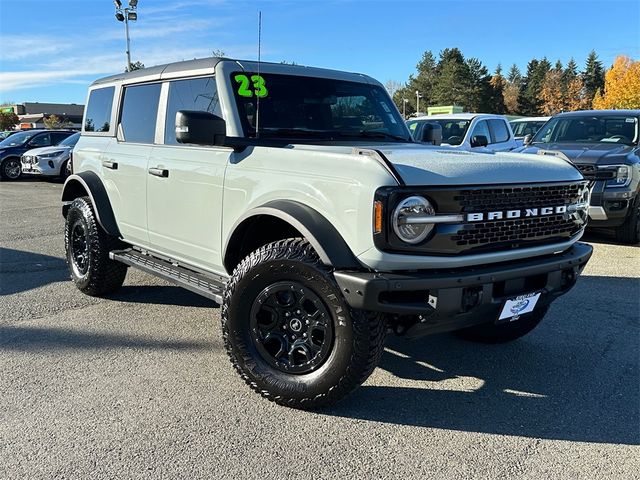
{"points": [[452, 299]]}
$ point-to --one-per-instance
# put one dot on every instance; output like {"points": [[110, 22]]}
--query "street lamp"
{"points": [[404, 108], [125, 15], [418, 97]]}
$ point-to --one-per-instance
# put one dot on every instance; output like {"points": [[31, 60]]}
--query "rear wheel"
{"points": [[289, 332], [505, 332], [87, 249], [11, 168]]}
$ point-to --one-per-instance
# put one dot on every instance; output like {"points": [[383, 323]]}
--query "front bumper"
{"points": [[47, 167], [609, 206], [453, 299]]}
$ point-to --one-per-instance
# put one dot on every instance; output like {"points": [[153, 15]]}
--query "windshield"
{"points": [[521, 129], [71, 140], [590, 129], [453, 131], [17, 139], [315, 108]]}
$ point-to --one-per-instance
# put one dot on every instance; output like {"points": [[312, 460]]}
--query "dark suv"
{"points": [[605, 146], [12, 148]]}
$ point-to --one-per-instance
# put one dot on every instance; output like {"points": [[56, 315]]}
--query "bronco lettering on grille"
{"points": [[527, 212]]}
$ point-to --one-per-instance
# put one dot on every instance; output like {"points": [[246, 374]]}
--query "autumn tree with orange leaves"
{"points": [[621, 85]]}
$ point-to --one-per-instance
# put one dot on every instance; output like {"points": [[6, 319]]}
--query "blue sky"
{"points": [[50, 50]]}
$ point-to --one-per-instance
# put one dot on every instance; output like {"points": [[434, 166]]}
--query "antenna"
{"points": [[257, 97]]}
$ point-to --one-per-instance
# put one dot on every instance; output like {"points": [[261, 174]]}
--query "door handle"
{"points": [[159, 172], [109, 164]]}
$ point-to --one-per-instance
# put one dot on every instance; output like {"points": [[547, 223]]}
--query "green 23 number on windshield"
{"points": [[257, 82]]}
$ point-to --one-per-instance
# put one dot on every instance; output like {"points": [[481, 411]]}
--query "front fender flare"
{"points": [[321, 234], [89, 184]]}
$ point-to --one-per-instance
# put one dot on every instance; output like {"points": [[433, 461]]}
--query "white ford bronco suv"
{"points": [[296, 199]]}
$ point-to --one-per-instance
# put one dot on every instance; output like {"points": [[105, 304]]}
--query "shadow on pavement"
{"points": [[574, 378], [161, 295], [603, 235], [21, 270], [26, 339]]}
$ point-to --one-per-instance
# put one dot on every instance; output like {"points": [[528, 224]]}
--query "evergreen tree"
{"points": [[514, 75], [453, 79], [593, 75], [529, 98], [498, 85]]}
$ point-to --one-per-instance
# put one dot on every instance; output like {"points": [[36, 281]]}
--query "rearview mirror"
{"points": [[479, 141], [527, 139], [200, 128], [431, 133]]}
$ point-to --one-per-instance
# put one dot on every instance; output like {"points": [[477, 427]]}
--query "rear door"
{"points": [[124, 164], [185, 182]]}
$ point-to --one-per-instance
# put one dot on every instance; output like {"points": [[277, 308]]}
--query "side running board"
{"points": [[205, 284]]}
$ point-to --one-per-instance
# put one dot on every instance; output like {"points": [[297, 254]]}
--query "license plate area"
{"points": [[515, 307]]}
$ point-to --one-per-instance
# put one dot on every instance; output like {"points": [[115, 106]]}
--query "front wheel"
{"points": [[87, 249], [629, 231], [504, 332], [11, 169], [66, 170], [289, 332]]}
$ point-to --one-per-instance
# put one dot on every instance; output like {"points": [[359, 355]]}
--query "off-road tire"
{"points": [[358, 339], [629, 231], [5, 168], [102, 275], [505, 332]]}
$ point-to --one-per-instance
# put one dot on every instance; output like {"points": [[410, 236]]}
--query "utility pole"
{"points": [[418, 97], [124, 15], [404, 108]]}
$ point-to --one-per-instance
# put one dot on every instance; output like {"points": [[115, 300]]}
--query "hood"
{"points": [[425, 165], [587, 153], [42, 150]]}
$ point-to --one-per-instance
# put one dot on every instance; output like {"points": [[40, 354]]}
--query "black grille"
{"points": [[515, 230], [492, 199]]}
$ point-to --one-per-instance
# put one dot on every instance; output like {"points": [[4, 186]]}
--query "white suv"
{"points": [[296, 198], [480, 132]]}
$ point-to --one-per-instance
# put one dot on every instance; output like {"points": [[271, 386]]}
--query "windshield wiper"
{"points": [[375, 134]]}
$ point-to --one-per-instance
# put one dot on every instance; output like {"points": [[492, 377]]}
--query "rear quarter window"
{"points": [[499, 131], [98, 114]]}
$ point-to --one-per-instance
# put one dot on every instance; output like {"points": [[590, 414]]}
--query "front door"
{"points": [[185, 183]]}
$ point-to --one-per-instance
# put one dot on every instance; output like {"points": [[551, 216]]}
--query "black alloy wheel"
{"points": [[11, 169], [291, 327], [79, 249]]}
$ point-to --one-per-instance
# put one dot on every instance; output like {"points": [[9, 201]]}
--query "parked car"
{"points": [[524, 126], [7, 133], [605, 146], [296, 198], [13, 147], [50, 161], [469, 131]]}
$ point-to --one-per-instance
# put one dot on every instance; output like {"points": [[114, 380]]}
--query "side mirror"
{"points": [[479, 141], [431, 133], [527, 139], [200, 128]]}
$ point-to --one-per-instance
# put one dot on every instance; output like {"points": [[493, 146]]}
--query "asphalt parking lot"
{"points": [[137, 385]]}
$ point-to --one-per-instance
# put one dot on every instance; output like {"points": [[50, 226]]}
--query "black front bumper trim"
{"points": [[461, 292]]}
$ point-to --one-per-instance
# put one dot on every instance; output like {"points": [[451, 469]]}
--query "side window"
{"points": [[194, 94], [43, 140], [98, 112], [482, 128], [499, 130], [56, 138], [139, 113]]}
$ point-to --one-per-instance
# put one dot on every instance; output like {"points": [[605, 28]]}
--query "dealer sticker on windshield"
{"points": [[514, 307]]}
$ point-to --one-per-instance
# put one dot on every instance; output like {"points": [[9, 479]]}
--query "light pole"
{"points": [[404, 108], [124, 15], [418, 97]]}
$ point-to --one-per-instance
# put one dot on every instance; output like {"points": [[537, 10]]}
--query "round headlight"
{"points": [[412, 207]]}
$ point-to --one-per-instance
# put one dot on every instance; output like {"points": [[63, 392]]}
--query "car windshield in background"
{"points": [[315, 108], [522, 129], [17, 139], [453, 131], [71, 140], [590, 129]]}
